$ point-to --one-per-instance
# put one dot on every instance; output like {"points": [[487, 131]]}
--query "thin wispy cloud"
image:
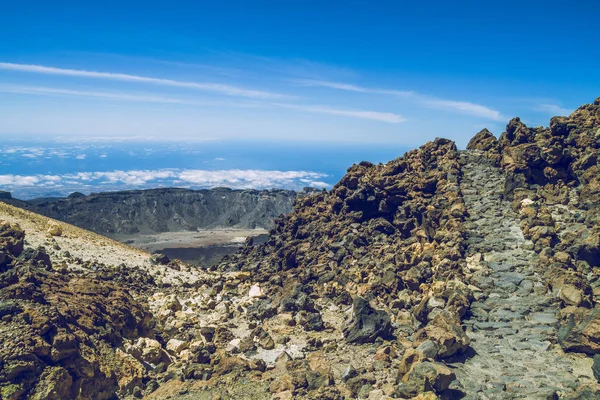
{"points": [[463, 107], [552, 109], [318, 109], [466, 108], [210, 87], [284, 68], [372, 115], [39, 90], [219, 70], [353, 88]]}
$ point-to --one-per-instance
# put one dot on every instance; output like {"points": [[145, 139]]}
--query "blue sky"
{"points": [[388, 72]]}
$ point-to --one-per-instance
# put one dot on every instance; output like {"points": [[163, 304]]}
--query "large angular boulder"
{"points": [[484, 141], [445, 332], [368, 323], [425, 377], [12, 240], [580, 329]]}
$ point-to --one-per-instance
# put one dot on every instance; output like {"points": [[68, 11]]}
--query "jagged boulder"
{"points": [[11, 243], [426, 376], [580, 329], [445, 331], [367, 323], [484, 140]]}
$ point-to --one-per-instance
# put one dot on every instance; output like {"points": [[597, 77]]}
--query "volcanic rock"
{"points": [[424, 377], [484, 141], [61, 336], [440, 272], [368, 323]]}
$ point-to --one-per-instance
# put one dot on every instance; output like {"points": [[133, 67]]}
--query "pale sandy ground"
{"points": [[88, 246], [158, 241]]}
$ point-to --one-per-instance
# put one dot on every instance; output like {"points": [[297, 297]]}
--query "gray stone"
{"points": [[367, 323], [513, 327]]}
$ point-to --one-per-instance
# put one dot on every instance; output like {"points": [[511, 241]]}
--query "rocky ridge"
{"points": [[168, 210], [387, 242]]}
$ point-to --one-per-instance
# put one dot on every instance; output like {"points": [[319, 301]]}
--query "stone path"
{"points": [[512, 328]]}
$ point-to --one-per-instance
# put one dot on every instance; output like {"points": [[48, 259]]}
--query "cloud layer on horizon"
{"points": [[35, 184]]}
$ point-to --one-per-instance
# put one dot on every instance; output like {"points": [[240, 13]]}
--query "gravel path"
{"points": [[512, 328]]}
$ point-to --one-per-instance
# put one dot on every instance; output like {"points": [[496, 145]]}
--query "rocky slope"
{"points": [[168, 210], [443, 274], [387, 244], [70, 302]]}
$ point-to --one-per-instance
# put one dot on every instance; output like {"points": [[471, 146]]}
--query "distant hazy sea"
{"points": [[42, 168]]}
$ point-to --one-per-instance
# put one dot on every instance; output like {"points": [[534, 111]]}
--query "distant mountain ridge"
{"points": [[165, 210]]}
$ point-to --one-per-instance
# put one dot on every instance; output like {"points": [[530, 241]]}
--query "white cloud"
{"points": [[353, 88], [80, 157], [58, 153], [117, 96], [29, 152], [463, 107], [319, 109], [27, 181], [552, 109], [210, 87], [318, 184], [372, 115], [332, 85], [190, 178], [219, 159]]}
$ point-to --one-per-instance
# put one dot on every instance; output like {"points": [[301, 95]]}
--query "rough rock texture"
{"points": [[484, 141], [552, 178], [386, 244], [70, 316], [367, 323], [60, 333], [164, 210]]}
